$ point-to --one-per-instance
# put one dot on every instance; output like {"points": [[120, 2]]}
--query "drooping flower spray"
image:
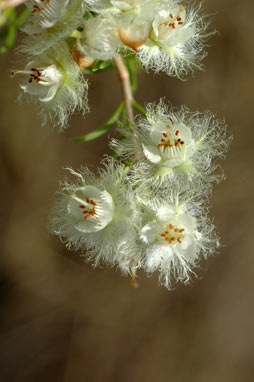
{"points": [[146, 207]]}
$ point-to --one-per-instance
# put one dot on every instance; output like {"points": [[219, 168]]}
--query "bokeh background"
{"points": [[63, 321]]}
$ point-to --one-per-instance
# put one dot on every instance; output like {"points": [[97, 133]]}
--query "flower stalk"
{"points": [[126, 87]]}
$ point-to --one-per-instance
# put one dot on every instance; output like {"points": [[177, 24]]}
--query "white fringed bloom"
{"points": [[175, 234], [100, 40], [53, 80], [95, 215], [176, 41], [170, 143], [49, 22]]}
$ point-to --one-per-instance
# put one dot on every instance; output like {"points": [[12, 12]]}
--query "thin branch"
{"points": [[126, 87], [11, 3]]}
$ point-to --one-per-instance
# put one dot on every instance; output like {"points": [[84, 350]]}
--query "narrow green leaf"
{"points": [[116, 114], [139, 108], [93, 134], [102, 129]]}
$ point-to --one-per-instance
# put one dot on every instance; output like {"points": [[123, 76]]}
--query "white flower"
{"points": [[90, 209], [169, 28], [176, 41], [96, 215], [175, 235], [49, 22], [171, 143], [54, 81], [100, 39]]}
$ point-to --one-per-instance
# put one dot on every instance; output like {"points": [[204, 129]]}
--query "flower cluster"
{"points": [[148, 211], [64, 37], [165, 35], [145, 210], [112, 222]]}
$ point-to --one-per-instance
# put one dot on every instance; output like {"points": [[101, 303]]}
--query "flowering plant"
{"points": [[146, 206]]}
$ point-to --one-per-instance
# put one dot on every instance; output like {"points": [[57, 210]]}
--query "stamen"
{"points": [[170, 141], [81, 201], [36, 8], [87, 202], [172, 234]]}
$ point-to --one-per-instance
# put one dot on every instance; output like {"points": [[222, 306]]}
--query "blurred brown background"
{"points": [[62, 320]]}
